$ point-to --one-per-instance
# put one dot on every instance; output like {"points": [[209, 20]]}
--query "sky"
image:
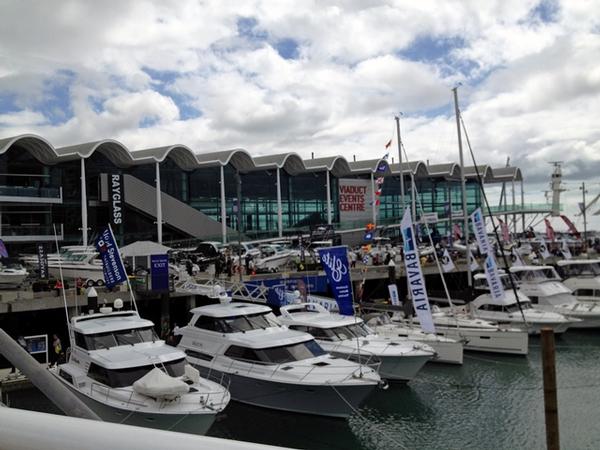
{"points": [[322, 77]]}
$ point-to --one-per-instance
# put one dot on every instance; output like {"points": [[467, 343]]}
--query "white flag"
{"points": [[447, 264], [516, 258], [473, 264], [414, 275], [566, 251], [544, 250], [394, 297]]}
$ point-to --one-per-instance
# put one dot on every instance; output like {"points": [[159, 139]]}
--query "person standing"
{"points": [[58, 351]]}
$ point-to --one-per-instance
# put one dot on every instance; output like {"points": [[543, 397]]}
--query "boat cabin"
{"points": [[534, 274]]}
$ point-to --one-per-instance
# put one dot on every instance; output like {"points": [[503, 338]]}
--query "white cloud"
{"points": [[531, 88]]}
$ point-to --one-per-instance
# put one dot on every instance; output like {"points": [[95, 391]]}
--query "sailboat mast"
{"points": [[400, 165], [463, 186]]}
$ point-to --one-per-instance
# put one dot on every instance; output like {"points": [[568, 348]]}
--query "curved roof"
{"points": [[450, 170], [113, 150], [507, 174], [291, 162], [39, 147], [241, 160], [416, 168], [238, 158], [380, 166], [182, 155], [485, 172], [337, 165]]}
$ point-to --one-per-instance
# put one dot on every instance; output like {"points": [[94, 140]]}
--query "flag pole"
{"points": [[124, 271]]}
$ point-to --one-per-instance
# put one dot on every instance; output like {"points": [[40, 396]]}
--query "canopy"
{"points": [[144, 248]]}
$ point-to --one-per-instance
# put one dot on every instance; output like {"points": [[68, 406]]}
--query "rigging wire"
{"points": [[494, 226]]}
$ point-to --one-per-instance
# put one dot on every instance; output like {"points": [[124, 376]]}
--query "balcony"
{"points": [[30, 194], [30, 233]]}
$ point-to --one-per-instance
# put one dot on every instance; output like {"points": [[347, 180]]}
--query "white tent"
{"points": [[143, 248]]}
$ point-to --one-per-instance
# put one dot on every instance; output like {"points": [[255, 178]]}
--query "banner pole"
{"points": [[124, 271]]}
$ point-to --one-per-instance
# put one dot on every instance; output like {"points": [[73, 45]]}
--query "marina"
{"points": [[262, 226]]}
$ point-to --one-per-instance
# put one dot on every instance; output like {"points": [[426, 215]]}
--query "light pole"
{"points": [[583, 211]]}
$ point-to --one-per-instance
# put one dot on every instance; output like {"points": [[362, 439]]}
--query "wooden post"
{"points": [[550, 399]]}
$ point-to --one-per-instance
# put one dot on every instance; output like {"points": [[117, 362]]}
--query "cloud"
{"points": [[311, 77]]}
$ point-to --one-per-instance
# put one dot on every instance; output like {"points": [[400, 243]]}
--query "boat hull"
{"points": [[183, 423], [490, 341], [402, 369], [322, 400]]}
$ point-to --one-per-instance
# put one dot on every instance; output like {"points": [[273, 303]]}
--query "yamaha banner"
{"points": [[335, 263], [116, 199], [414, 274], [112, 266], [159, 273], [42, 261]]}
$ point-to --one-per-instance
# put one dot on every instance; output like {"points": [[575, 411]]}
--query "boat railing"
{"points": [[241, 366], [362, 357], [110, 393]]}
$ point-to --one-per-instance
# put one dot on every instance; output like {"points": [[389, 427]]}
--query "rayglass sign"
{"points": [[355, 198]]}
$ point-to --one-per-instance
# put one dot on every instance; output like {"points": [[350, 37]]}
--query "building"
{"points": [[78, 189]]}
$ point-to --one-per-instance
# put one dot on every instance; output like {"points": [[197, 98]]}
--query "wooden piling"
{"points": [[550, 397]]}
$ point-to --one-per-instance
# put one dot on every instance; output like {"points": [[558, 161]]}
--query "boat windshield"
{"points": [[482, 284], [344, 333], [536, 275], [515, 307], [591, 269], [236, 324], [115, 338], [276, 355], [118, 378]]}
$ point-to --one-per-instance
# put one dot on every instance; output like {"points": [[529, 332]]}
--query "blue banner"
{"points": [[159, 272], [112, 266], [3, 251], [277, 295], [335, 263]]}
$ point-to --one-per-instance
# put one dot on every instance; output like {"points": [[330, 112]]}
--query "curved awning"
{"points": [[239, 158], [181, 155], [337, 165], [37, 146], [450, 170], [417, 168], [116, 152], [380, 166], [503, 174], [290, 162]]}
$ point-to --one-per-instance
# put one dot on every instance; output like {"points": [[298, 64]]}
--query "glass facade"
{"points": [[303, 198]]}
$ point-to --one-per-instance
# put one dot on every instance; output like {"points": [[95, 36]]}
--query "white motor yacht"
{"points": [[85, 265], [12, 275], [125, 374], [476, 334], [349, 337], [582, 276], [544, 288], [273, 257], [270, 365], [526, 317], [447, 350]]}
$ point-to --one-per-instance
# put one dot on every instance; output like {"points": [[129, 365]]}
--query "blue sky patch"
{"points": [[287, 48], [546, 11]]}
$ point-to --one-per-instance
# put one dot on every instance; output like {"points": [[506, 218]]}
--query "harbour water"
{"points": [[491, 402]]}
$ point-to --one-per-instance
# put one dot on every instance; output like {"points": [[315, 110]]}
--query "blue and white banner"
{"points": [[112, 266], [394, 297], [414, 274], [42, 261], [335, 263], [493, 278], [159, 273], [480, 233]]}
